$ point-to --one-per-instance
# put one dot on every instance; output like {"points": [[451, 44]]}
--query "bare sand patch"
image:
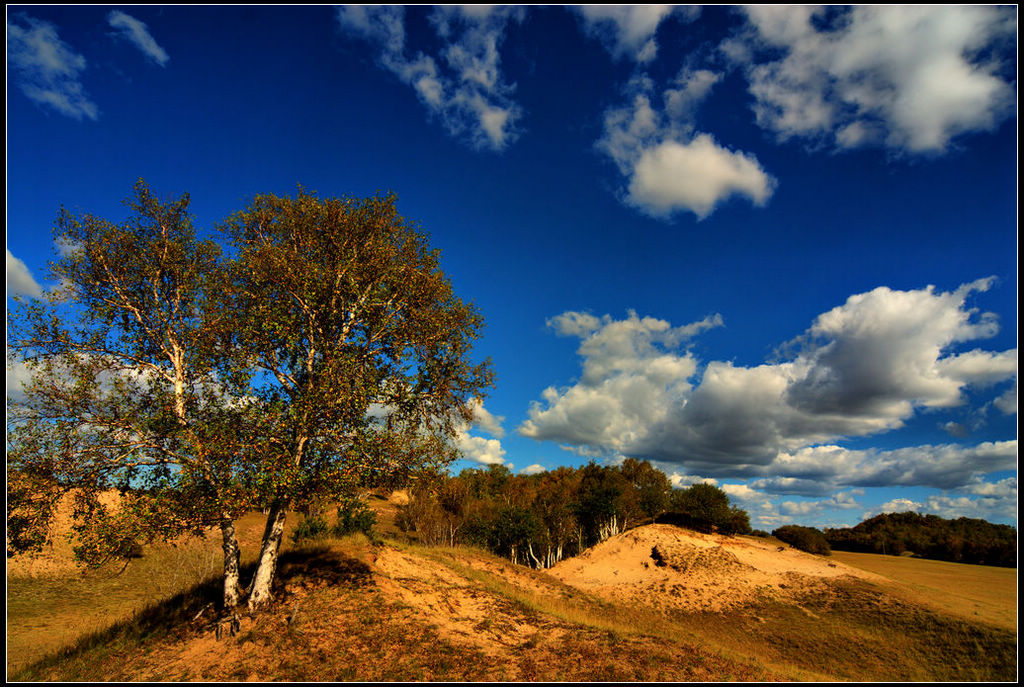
{"points": [[670, 568], [458, 608]]}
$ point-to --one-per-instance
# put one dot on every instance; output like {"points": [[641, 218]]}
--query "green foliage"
{"points": [[705, 508], [963, 540], [541, 519], [806, 539], [355, 516], [328, 353], [312, 527]]}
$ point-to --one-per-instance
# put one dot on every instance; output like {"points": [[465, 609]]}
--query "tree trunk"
{"points": [[232, 553], [266, 566]]}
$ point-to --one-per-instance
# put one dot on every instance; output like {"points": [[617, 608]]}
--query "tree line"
{"points": [[311, 348], [963, 540], [539, 520]]}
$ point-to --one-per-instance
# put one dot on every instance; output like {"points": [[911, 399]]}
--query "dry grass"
{"points": [[355, 610], [982, 593]]}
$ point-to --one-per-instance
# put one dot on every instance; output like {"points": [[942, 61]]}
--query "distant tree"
{"points": [[964, 540], [703, 507], [601, 502], [806, 539], [650, 485]]}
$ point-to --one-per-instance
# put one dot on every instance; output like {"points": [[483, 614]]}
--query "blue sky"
{"points": [[771, 248]]}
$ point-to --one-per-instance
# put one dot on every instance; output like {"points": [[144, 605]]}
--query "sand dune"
{"points": [[671, 568]]}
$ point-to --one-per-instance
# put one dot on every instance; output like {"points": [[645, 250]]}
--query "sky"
{"points": [[774, 249]]}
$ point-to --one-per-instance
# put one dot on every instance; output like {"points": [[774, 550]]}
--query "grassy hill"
{"points": [[357, 610]]}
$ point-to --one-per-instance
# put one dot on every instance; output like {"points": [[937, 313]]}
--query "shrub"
{"points": [[354, 516], [804, 538], [310, 528]]}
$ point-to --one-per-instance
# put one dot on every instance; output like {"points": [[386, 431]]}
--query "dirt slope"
{"points": [[670, 568]]}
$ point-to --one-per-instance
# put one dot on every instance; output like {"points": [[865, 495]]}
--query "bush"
{"points": [[354, 516], [804, 538], [310, 528]]}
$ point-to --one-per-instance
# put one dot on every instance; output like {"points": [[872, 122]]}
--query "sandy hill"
{"points": [[671, 568], [657, 603]]}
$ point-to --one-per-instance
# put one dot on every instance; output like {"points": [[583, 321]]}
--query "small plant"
{"points": [[354, 516], [310, 528]]}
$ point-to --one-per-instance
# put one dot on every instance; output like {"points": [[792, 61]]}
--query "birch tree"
{"points": [[361, 346], [124, 392]]}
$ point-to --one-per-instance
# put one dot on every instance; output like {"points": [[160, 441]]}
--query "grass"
{"points": [[975, 592], [333, 622]]}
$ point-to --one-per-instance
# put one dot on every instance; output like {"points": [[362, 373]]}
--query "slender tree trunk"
{"points": [[266, 566], [232, 553]]}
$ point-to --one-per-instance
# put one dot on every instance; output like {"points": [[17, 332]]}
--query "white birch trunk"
{"points": [[232, 553], [266, 566]]}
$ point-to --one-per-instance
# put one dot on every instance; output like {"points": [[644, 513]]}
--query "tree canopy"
{"points": [[317, 348]]}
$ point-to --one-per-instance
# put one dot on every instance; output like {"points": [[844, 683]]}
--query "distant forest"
{"points": [[538, 520], [964, 540]]}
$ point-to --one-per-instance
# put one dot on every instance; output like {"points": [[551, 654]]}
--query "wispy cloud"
{"points": [[628, 31], [20, 281], [462, 84], [862, 368], [138, 33], [46, 68], [909, 78]]}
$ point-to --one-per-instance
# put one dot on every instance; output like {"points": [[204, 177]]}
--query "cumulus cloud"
{"points": [[628, 31], [993, 501], [481, 449], [18, 377], [670, 167], [943, 466], [695, 176], [46, 68], [138, 34], [911, 78], [631, 377], [20, 281], [462, 85], [534, 469], [862, 368]]}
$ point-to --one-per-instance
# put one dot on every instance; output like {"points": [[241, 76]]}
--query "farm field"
{"points": [[982, 592]]}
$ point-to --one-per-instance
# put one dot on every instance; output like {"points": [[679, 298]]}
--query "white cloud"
{"points": [[1007, 402], [534, 469], [18, 376], [944, 466], [908, 77], [862, 368], [695, 176], [482, 418], [479, 449], [20, 281], [993, 501], [630, 378], [47, 69], [628, 31], [462, 84], [138, 33], [667, 165]]}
